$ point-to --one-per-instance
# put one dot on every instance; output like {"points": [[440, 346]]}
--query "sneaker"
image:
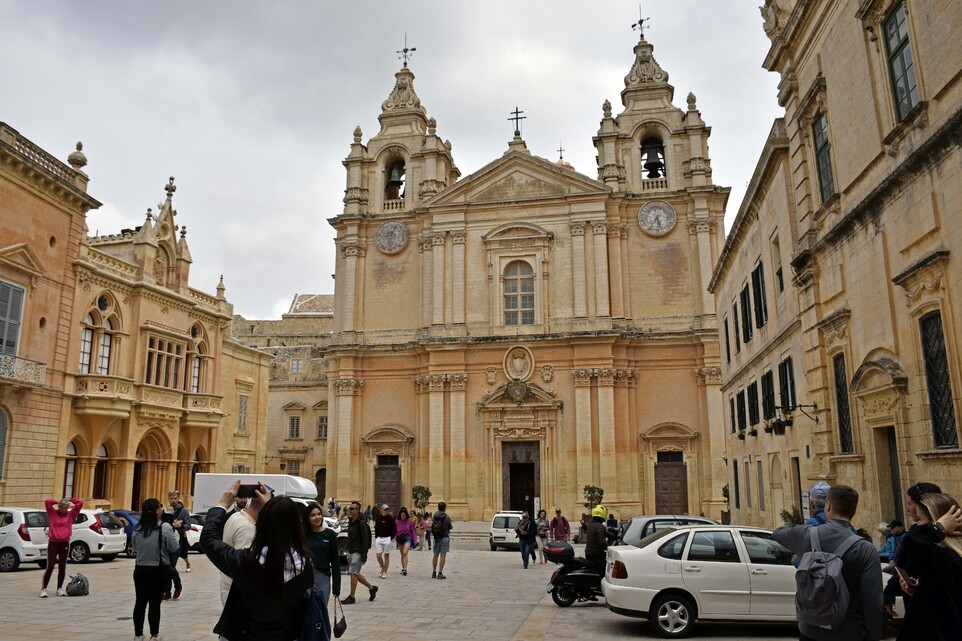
{"points": [[404, 572], [383, 575], [177, 592], [154, 639], [373, 593], [60, 592], [441, 576], [188, 570], [348, 601], [434, 575], [166, 596], [140, 638], [43, 594]]}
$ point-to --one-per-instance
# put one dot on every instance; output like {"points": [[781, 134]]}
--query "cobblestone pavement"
{"points": [[487, 596]]}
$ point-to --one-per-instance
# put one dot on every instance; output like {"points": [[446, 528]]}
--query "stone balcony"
{"points": [[21, 372], [101, 395], [203, 410]]}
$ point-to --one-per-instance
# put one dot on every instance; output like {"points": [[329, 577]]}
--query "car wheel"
{"points": [[79, 552], [563, 595], [42, 565], [9, 560], [109, 557], [129, 550], [672, 616]]}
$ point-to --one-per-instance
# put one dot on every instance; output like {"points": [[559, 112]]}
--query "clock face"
{"points": [[656, 218], [391, 237]]}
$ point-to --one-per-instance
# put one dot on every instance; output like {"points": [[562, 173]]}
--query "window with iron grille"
{"points": [[768, 395], [321, 427], [937, 381], [905, 89], [296, 365], [738, 496], [242, 401], [845, 442], [294, 468], [786, 384], [758, 290], [741, 410], [777, 265], [823, 159], [753, 403], [738, 338], [761, 485], [293, 427], [745, 298], [748, 484]]}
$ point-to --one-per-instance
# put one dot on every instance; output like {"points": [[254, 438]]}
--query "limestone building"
{"points": [[863, 180], [509, 337], [119, 380]]}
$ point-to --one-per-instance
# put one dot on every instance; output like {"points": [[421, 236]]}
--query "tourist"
{"points": [[239, 532], [175, 511], [156, 546], [542, 524], [358, 545], [527, 533], [441, 527], [385, 530], [560, 528], [60, 517], [322, 543], [893, 588], [426, 523], [407, 536], [270, 577]]}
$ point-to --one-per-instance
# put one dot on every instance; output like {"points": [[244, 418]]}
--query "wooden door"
{"points": [[522, 487], [387, 482], [671, 484]]}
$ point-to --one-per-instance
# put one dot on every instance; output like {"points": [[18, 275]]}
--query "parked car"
{"points": [[712, 572], [23, 537], [502, 533], [96, 533], [129, 519], [638, 527]]}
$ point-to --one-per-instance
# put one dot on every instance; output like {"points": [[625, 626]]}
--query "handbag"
{"points": [[78, 586], [341, 624], [167, 572], [316, 624]]}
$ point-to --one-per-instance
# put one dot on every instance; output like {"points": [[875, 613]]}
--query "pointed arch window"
{"points": [[69, 469], [98, 338], [100, 474], [196, 357], [518, 293]]}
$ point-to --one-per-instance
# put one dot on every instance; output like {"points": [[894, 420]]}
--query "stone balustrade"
{"points": [[22, 371]]}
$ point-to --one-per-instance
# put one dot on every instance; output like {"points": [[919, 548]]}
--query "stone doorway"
{"points": [[520, 475], [320, 482], [387, 482], [136, 489], [671, 484]]}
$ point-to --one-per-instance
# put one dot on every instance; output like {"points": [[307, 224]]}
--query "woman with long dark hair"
{"points": [[153, 544], [322, 543], [407, 536], [269, 579]]}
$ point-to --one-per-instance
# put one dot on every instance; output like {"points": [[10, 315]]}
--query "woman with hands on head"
{"points": [[933, 563], [269, 578]]}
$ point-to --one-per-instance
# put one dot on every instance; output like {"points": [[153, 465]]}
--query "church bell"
{"points": [[395, 181], [653, 165]]}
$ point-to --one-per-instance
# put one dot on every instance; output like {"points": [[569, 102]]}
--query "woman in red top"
{"points": [[61, 515]]}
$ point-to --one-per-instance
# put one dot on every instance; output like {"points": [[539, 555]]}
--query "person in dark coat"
{"points": [[933, 561], [527, 533], [270, 578]]}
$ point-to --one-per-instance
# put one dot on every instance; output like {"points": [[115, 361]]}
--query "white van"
{"points": [[502, 534], [208, 488]]}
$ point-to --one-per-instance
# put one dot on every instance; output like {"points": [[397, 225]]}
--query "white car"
{"points": [[96, 533], [23, 537], [502, 534], [714, 572]]}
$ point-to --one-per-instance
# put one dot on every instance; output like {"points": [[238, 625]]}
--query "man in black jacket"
{"points": [[358, 544]]}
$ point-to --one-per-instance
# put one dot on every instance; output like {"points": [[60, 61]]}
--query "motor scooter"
{"points": [[578, 579]]}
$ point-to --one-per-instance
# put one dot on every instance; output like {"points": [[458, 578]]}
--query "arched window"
{"points": [[97, 337], [518, 293], [69, 470], [653, 157], [4, 434], [196, 355], [100, 474], [394, 185]]}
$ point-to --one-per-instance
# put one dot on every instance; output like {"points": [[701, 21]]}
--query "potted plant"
{"points": [[741, 435], [753, 431], [769, 428], [778, 426], [787, 418]]}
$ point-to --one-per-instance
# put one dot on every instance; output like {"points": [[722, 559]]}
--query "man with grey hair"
{"points": [[816, 498]]}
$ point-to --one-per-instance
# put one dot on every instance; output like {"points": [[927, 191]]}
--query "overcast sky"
{"points": [[252, 105]]}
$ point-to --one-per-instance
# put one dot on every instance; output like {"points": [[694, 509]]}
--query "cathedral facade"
{"points": [[510, 337]]}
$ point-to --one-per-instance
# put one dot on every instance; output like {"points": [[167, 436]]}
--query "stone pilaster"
{"points": [[458, 384], [578, 269], [458, 289], [437, 247], [436, 430], [606, 429], [345, 391], [600, 231], [584, 466], [703, 230]]}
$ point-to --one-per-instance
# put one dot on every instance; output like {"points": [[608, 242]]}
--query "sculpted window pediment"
{"points": [[294, 407], [924, 278], [24, 260], [670, 431], [387, 434]]}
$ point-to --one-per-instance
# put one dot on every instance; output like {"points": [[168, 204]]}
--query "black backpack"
{"points": [[439, 527]]}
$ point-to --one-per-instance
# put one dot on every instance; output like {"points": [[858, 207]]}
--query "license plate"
{"points": [[499, 538], [549, 587], [115, 531]]}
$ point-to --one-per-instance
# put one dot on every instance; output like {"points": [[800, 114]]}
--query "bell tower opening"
{"points": [[394, 188], [653, 157]]}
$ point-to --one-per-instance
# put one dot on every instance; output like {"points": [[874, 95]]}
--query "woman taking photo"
{"points": [[153, 543], [542, 524], [321, 541], [407, 536], [266, 596], [933, 562]]}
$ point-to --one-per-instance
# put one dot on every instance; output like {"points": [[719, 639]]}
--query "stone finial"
{"points": [[170, 188], [447, 145], [691, 102], [606, 108], [183, 232], [77, 159], [358, 133], [150, 215], [432, 126], [220, 288]]}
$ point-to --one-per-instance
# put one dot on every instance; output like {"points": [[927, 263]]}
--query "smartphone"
{"points": [[909, 581], [247, 491]]}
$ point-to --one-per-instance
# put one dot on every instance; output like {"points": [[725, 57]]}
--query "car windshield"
{"points": [[36, 519], [651, 538], [505, 522]]}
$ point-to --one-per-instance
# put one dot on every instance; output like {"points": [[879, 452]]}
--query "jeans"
{"points": [[527, 548], [174, 557], [148, 590], [322, 583]]}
